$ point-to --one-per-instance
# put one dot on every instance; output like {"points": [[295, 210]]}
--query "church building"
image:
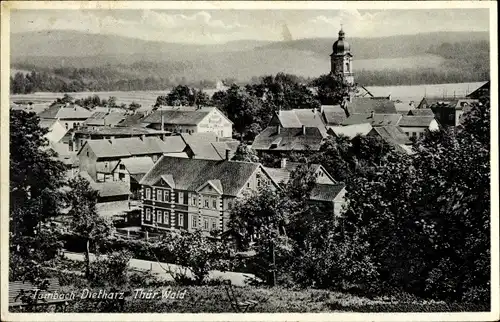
{"points": [[341, 58]]}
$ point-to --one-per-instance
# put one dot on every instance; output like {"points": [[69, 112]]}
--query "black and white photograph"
{"points": [[236, 158]]}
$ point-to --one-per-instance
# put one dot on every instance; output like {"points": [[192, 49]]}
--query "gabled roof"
{"points": [[126, 147], [190, 174], [351, 130], [282, 174], [365, 105], [326, 192], [392, 134], [138, 165], [289, 139], [207, 146], [482, 90], [104, 149], [177, 117], [61, 111], [105, 119], [376, 120], [416, 121], [106, 166], [298, 117], [421, 112], [333, 114]]}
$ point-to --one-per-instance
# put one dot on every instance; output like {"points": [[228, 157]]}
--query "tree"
{"points": [[134, 106], [332, 90], [86, 222], [196, 254], [244, 153], [36, 178]]}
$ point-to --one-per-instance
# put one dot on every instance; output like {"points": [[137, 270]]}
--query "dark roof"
{"points": [[376, 120], [105, 149], [105, 119], [177, 117], [392, 134], [61, 111], [367, 105], [333, 114], [326, 192], [289, 139], [421, 112], [190, 174], [415, 121]]}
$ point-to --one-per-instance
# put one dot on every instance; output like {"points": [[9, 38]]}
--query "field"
{"points": [[147, 98]]}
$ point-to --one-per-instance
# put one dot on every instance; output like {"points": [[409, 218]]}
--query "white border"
{"points": [[299, 5]]}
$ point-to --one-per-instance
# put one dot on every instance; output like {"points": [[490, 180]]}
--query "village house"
{"points": [[394, 136], [417, 126], [108, 192], [448, 112], [332, 115], [100, 157], [372, 118], [186, 119], [190, 194], [326, 191], [70, 115], [131, 170], [296, 118], [282, 141], [56, 130], [100, 119]]}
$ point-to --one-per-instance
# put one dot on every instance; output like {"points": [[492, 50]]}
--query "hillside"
{"points": [[435, 57]]}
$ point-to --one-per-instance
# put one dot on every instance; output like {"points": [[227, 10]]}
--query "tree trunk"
{"points": [[87, 259]]}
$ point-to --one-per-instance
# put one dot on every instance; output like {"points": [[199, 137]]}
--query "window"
{"points": [[205, 223], [122, 166], [230, 205], [414, 134], [407, 133], [181, 220], [193, 200], [214, 224], [450, 117], [159, 195], [166, 196], [148, 193], [181, 197], [166, 216], [205, 202], [248, 184], [158, 215], [421, 134], [66, 125], [214, 203], [121, 176], [194, 221], [148, 214], [258, 181]]}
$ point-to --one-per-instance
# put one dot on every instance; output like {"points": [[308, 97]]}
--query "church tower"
{"points": [[341, 58]]}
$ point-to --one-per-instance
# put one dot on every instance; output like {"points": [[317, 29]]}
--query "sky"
{"points": [[220, 26]]}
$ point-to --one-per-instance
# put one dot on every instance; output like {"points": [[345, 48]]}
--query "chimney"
{"points": [[227, 154], [372, 114], [303, 130], [389, 97], [143, 137], [216, 139], [163, 136], [279, 129], [162, 122], [283, 163]]}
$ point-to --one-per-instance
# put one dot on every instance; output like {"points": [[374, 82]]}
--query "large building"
{"points": [[70, 115], [191, 194], [187, 119]]}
